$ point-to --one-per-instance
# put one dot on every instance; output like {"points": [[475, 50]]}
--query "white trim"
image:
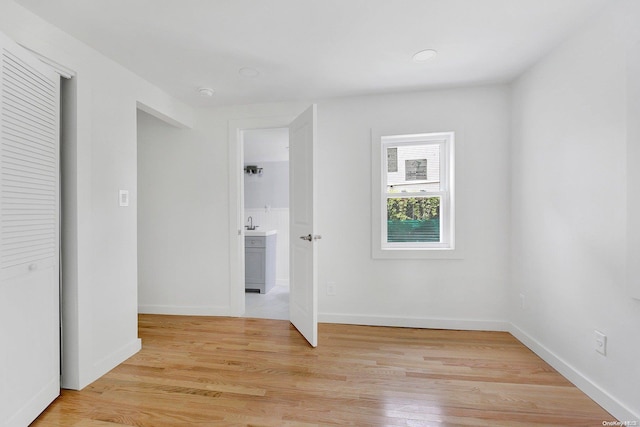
{"points": [[236, 204], [595, 392], [416, 322], [180, 124], [196, 310], [64, 72], [632, 268], [451, 249], [112, 360], [25, 415]]}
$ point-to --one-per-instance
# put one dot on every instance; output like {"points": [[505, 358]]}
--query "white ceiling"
{"points": [[311, 49]]}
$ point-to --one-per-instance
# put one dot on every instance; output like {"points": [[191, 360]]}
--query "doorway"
{"points": [[303, 279], [266, 222]]}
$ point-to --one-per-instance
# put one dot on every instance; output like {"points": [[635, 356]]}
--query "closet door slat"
{"points": [[29, 164]]}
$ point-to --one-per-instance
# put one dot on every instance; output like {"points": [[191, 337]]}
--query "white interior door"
{"points": [[303, 276], [29, 235]]}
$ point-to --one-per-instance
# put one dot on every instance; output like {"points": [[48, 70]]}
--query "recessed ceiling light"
{"points": [[248, 72], [424, 55], [205, 92]]}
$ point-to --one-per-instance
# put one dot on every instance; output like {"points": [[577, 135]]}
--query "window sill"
{"points": [[417, 253]]}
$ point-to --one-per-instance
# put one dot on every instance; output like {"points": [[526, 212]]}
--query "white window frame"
{"points": [[446, 247]]}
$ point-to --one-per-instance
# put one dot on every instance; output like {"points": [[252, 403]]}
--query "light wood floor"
{"points": [[207, 371]]}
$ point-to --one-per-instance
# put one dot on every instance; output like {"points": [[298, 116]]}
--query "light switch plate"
{"points": [[124, 197]]}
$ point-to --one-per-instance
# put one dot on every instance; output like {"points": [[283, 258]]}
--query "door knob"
{"points": [[309, 237]]}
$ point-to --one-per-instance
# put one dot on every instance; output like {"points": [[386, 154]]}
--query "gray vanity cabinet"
{"points": [[259, 263]]}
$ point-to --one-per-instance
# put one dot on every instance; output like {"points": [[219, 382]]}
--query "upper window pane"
{"points": [[413, 168]]}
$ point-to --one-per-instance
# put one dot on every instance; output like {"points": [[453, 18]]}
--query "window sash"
{"points": [[444, 240], [444, 193]]}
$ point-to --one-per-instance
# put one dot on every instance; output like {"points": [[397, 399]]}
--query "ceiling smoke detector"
{"points": [[424, 55], [205, 92]]}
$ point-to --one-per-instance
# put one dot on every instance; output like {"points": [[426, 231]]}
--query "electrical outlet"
{"points": [[331, 288], [523, 302], [601, 343]]}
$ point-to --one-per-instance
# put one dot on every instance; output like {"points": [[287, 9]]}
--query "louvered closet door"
{"points": [[29, 231]]}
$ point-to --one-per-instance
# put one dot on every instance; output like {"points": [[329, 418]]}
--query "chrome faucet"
{"points": [[250, 226]]}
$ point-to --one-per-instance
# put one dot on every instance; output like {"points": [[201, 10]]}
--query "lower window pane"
{"points": [[413, 219]]}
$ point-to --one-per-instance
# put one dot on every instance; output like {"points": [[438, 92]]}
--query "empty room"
{"points": [[305, 212]]}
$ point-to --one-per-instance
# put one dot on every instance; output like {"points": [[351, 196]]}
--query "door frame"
{"points": [[236, 201]]}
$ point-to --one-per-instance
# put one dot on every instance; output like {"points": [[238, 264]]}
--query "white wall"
{"points": [[269, 189], [465, 293], [182, 254], [569, 211], [99, 238]]}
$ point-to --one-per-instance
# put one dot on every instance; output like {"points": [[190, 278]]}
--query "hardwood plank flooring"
{"points": [[209, 371]]}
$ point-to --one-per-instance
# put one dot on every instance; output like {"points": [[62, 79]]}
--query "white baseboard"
{"points": [[112, 360], [416, 322], [600, 396], [198, 310], [30, 411]]}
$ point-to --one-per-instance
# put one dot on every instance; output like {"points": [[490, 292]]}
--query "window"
{"points": [[416, 206]]}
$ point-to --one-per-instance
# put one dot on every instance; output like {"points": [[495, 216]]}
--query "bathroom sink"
{"points": [[256, 233]]}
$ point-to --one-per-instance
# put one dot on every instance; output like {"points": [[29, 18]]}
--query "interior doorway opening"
{"points": [[303, 272], [265, 196]]}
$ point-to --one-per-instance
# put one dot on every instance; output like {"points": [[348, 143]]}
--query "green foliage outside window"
{"points": [[413, 219], [413, 208]]}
